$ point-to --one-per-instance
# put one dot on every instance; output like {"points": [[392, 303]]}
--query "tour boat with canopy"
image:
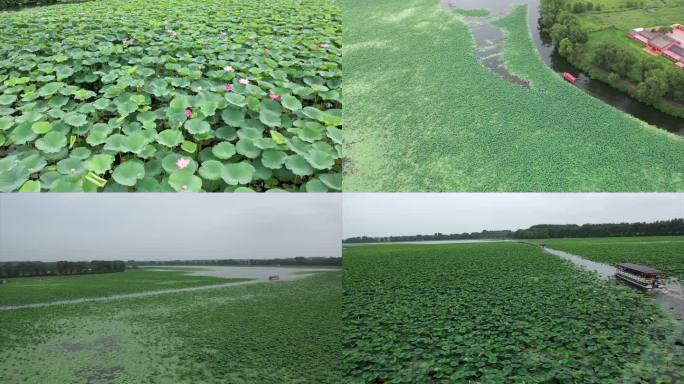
{"points": [[639, 275]]}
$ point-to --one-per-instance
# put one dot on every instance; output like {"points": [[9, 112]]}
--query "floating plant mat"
{"points": [[497, 313], [171, 96]]}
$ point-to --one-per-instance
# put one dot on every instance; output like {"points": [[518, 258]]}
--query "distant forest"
{"points": [[301, 261], [39, 268], [545, 231]]}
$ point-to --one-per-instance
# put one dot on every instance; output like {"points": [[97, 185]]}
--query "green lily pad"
{"points": [[184, 180], [315, 185], [331, 180], [30, 186], [129, 173], [292, 103], [211, 170], [223, 150], [170, 137], [52, 142], [233, 116], [7, 99], [76, 119], [237, 173], [41, 127], [71, 166], [235, 99], [246, 148], [13, 178], [298, 165], [189, 146], [270, 112], [100, 163], [273, 159], [197, 126], [6, 123], [319, 159]]}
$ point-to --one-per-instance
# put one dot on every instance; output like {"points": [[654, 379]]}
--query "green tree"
{"points": [[566, 48], [654, 87]]}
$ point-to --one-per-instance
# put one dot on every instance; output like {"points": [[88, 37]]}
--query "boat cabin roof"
{"points": [[640, 269]]}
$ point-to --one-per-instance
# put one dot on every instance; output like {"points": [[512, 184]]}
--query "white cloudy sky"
{"points": [[168, 226], [383, 214]]}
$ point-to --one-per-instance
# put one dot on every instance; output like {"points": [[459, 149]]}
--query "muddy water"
{"points": [[486, 35], [258, 274], [670, 298]]}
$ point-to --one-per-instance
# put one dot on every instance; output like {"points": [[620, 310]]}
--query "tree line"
{"points": [[544, 231], [39, 268], [654, 81], [296, 261]]}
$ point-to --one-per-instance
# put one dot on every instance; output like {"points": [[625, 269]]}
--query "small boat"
{"points": [[274, 277], [569, 77], [641, 276]]}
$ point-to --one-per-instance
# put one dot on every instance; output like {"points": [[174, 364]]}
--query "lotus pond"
{"points": [[662, 252], [422, 113], [271, 332], [39, 289], [497, 312], [171, 95]]}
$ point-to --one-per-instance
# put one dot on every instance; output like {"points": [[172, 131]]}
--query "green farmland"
{"points": [[497, 313], [171, 95], [28, 290], [423, 114], [665, 253], [271, 332]]}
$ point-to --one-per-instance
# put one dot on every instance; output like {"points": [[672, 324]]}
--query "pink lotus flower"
{"points": [[273, 96], [323, 46], [229, 87], [228, 68], [243, 81], [182, 163], [188, 112]]}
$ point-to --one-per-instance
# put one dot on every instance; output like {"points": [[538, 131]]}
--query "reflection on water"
{"points": [[485, 34]]}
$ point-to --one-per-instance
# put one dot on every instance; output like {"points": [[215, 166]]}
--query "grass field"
{"points": [[495, 313], [171, 95], [423, 114], [281, 332], [612, 23], [27, 290], [665, 253]]}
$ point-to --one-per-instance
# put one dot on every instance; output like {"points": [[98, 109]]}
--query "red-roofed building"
{"points": [[670, 45]]}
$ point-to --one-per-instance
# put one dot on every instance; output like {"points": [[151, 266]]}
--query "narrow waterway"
{"points": [[670, 298], [488, 37]]}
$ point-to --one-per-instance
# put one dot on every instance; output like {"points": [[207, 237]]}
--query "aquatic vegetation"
{"points": [[109, 96], [277, 332], [27, 290], [665, 253], [472, 12], [496, 312], [461, 127]]}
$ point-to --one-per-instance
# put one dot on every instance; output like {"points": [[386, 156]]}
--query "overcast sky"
{"points": [[383, 214], [168, 226]]}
